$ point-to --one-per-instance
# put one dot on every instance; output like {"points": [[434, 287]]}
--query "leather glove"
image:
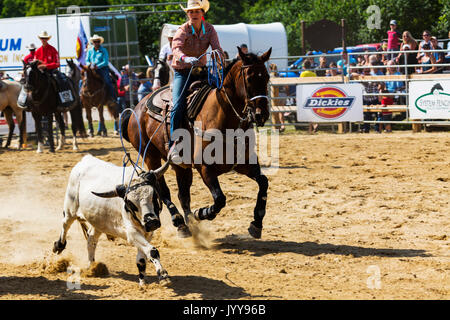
{"points": [[191, 60]]}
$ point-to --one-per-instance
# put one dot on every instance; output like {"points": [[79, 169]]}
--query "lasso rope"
{"points": [[215, 76]]}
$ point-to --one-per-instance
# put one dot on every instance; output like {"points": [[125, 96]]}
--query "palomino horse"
{"points": [[9, 93], [76, 114], [241, 102], [94, 93], [44, 103]]}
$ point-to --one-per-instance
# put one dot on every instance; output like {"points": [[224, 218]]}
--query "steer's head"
{"points": [[141, 198]]}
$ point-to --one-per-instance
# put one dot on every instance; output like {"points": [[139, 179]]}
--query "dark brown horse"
{"points": [[76, 114], [94, 94], [43, 103], [241, 102]]}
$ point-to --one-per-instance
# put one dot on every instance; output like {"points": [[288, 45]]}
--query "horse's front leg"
{"points": [[253, 171], [38, 124], [101, 124], [62, 128], [89, 119], [11, 125], [51, 142], [210, 179]]}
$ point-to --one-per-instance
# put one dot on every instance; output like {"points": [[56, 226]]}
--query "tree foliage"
{"points": [[412, 15]]}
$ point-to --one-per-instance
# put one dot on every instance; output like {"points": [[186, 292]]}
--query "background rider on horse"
{"points": [[98, 57]]}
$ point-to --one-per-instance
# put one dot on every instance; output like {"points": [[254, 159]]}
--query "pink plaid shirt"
{"points": [[187, 42]]}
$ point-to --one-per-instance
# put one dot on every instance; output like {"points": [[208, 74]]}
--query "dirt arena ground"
{"points": [[349, 217]]}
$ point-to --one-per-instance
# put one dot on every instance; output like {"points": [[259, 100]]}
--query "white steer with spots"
{"points": [[96, 197]]}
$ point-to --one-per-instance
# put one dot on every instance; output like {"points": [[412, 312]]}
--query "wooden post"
{"points": [[302, 23], [342, 128]]}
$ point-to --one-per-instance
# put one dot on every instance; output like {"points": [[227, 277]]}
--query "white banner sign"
{"points": [[330, 103], [429, 99]]}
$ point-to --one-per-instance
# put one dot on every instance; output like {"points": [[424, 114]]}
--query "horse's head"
{"points": [[91, 76], [31, 76], [255, 80]]}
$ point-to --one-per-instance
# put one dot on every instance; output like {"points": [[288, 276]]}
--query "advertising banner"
{"points": [[429, 99], [330, 103]]}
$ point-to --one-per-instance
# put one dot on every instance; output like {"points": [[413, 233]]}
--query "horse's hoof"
{"points": [[197, 215], [254, 231], [177, 220], [58, 247], [164, 279], [184, 232], [152, 225], [52, 150]]}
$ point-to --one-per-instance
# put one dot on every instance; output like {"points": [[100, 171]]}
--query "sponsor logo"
{"points": [[436, 100], [10, 44], [329, 103]]}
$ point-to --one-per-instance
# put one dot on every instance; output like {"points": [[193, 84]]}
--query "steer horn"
{"points": [[160, 172], [118, 192]]}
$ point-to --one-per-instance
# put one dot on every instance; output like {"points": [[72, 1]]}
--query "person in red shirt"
{"points": [[30, 57], [393, 39], [48, 61], [385, 101], [47, 55]]}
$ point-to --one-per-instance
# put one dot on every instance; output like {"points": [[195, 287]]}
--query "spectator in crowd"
{"points": [[385, 102], [226, 58], [278, 91], [375, 70], [244, 49], [369, 100], [145, 86], [125, 85], [393, 39], [311, 59], [308, 73], [307, 70], [342, 64], [98, 57], [427, 59], [394, 86], [353, 72], [361, 61], [321, 68], [447, 56], [408, 44], [426, 35], [438, 56], [165, 54], [30, 57], [121, 102], [332, 71]]}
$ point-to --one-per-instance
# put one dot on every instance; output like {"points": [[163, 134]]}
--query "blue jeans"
{"points": [[104, 73], [179, 100]]}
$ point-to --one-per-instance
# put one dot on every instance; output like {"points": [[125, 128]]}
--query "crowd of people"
{"points": [[380, 62]]}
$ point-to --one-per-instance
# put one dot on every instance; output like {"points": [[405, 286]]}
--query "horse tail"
{"points": [[124, 125]]}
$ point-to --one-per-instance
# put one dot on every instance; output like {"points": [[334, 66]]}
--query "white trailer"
{"points": [[258, 37], [17, 33]]}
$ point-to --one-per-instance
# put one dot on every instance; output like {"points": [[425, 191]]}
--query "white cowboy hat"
{"points": [[31, 47], [44, 35], [196, 4], [170, 33], [96, 37]]}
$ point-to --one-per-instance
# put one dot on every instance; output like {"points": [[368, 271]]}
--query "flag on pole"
{"points": [[82, 42]]}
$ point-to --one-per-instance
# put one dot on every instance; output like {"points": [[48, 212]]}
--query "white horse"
{"points": [[9, 93]]}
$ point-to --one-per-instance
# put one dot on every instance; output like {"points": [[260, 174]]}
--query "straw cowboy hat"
{"points": [[31, 46], [44, 35], [196, 4], [96, 37]]}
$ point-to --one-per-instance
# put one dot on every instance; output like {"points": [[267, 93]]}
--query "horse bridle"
{"points": [[249, 107]]}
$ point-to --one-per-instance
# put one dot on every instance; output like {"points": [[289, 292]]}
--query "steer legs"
{"points": [[60, 245]]}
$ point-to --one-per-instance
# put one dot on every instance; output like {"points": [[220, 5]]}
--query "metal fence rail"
{"points": [[276, 100]]}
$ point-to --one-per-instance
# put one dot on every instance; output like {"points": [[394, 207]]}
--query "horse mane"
{"points": [[251, 58]]}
